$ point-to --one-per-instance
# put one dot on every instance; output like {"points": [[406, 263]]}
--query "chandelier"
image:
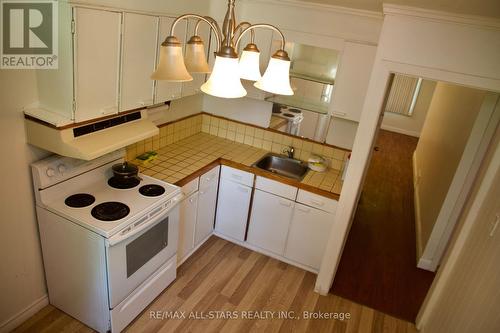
{"points": [[228, 70]]}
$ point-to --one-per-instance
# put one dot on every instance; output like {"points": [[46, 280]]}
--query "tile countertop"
{"points": [[182, 161]]}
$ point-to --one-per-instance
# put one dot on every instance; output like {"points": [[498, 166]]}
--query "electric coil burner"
{"points": [[151, 190], [110, 211], [294, 110], [79, 200], [123, 184], [289, 115]]}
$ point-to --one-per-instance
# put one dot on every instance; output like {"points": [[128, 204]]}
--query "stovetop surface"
{"points": [[95, 184]]}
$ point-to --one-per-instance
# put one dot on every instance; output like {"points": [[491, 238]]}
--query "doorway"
{"points": [[407, 184]]}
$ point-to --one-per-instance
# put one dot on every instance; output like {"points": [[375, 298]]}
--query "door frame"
{"points": [[363, 146]]}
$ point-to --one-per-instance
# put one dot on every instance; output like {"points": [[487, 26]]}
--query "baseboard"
{"points": [[400, 130], [426, 264], [22, 316], [416, 203], [266, 253]]}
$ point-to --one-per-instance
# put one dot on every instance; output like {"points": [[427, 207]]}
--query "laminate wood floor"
{"points": [[225, 277], [378, 265]]}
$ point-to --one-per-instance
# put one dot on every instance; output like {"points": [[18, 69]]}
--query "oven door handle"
{"points": [[120, 236]]}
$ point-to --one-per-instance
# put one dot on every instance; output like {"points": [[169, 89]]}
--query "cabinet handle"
{"points": [[191, 200], [285, 203], [317, 203], [201, 192], [340, 114], [243, 189], [305, 210]]}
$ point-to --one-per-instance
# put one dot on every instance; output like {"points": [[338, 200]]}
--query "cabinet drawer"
{"points": [[235, 175], [210, 177], [274, 187], [190, 187], [317, 201]]}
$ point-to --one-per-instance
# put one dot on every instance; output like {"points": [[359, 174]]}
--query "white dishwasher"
{"points": [[235, 191]]}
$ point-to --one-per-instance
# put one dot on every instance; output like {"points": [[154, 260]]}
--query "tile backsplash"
{"points": [[238, 132]]}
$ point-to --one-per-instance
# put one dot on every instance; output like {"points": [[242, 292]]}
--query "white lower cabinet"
{"points": [[207, 201], [269, 221], [307, 235], [197, 213], [187, 217], [233, 204]]}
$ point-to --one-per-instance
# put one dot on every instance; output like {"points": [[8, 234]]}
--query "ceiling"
{"points": [[489, 8]]}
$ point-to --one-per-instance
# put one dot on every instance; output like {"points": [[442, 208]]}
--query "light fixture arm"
{"points": [[207, 20], [199, 22], [239, 30], [261, 25]]}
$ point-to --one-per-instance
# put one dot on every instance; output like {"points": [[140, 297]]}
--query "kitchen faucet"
{"points": [[289, 151]]}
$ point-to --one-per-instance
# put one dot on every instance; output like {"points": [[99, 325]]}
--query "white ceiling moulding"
{"points": [[322, 7], [442, 16], [349, 24], [154, 8]]}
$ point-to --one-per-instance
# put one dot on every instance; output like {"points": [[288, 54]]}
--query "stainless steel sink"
{"points": [[282, 165]]}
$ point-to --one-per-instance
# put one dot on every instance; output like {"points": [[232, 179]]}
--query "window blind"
{"points": [[403, 94]]}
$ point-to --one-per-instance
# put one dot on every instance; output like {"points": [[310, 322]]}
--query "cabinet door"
{"points": [[351, 83], [97, 62], [232, 210], [138, 60], [193, 87], [269, 221], [206, 211], [167, 91], [308, 234], [187, 221]]}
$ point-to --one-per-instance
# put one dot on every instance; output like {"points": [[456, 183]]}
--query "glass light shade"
{"points": [[249, 66], [276, 79], [171, 66], [196, 61], [225, 79]]}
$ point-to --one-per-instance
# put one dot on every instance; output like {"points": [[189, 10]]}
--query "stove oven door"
{"points": [[135, 255]]}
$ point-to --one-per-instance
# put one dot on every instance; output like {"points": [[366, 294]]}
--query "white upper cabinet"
{"points": [[193, 87], [138, 60], [351, 82], [96, 62], [167, 91]]}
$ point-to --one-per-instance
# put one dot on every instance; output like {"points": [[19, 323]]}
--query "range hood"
{"points": [[91, 140]]}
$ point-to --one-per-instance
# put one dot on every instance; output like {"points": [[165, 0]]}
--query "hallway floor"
{"points": [[378, 266]]}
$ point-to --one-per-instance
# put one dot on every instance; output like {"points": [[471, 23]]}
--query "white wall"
{"points": [[450, 120], [161, 6], [178, 109], [247, 110], [465, 296], [413, 124], [22, 281], [341, 133]]}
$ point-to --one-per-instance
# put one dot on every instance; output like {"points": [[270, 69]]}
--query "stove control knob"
{"points": [[61, 168], [50, 172]]}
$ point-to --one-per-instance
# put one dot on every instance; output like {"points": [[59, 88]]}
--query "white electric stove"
{"points": [[109, 247]]}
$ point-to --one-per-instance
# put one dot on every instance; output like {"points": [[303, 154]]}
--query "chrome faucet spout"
{"points": [[290, 151]]}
